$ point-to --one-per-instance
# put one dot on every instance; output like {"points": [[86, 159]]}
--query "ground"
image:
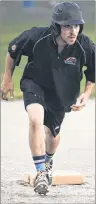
{"points": [[75, 153]]}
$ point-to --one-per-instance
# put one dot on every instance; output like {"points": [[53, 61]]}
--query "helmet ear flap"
{"points": [[81, 28], [55, 29]]}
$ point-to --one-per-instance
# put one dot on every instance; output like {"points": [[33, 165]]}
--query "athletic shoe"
{"points": [[41, 183], [49, 166]]}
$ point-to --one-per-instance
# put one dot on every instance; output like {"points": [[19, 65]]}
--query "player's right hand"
{"points": [[6, 87]]}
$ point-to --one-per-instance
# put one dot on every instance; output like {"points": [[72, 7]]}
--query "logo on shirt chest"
{"points": [[13, 47], [70, 60]]}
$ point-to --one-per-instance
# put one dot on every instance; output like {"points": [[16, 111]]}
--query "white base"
{"points": [[60, 178]]}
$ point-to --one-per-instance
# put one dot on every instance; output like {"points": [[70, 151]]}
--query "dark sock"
{"points": [[48, 157], [39, 162]]}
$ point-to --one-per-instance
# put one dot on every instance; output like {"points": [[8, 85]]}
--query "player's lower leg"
{"points": [[51, 147], [37, 146]]}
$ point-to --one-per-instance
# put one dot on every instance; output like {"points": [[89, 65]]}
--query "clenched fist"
{"points": [[81, 102], [7, 87]]}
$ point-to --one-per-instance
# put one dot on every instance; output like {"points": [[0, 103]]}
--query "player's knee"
{"points": [[35, 121], [36, 115]]}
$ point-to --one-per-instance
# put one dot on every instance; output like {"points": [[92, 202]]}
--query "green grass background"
{"points": [[8, 33]]}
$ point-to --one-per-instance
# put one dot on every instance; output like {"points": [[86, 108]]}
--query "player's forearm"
{"points": [[9, 63], [89, 88]]}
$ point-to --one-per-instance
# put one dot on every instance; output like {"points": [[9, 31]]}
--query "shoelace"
{"points": [[48, 166]]}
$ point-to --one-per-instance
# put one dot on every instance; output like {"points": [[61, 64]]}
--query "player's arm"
{"points": [[90, 71], [15, 51], [89, 87], [22, 45], [7, 84], [90, 77], [83, 98]]}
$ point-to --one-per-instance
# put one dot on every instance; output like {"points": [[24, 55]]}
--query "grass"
{"points": [[6, 37]]}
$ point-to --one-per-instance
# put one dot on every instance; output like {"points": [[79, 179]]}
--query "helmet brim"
{"points": [[70, 22]]}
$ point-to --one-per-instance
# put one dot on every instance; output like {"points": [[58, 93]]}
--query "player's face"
{"points": [[69, 33]]}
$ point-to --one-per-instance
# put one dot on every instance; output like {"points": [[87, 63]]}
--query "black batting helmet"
{"points": [[66, 13]]}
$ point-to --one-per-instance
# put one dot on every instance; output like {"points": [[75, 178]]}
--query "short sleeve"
{"points": [[20, 45], [24, 43], [90, 61]]}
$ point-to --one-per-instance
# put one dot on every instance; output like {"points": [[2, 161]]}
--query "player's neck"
{"points": [[60, 41], [61, 44]]}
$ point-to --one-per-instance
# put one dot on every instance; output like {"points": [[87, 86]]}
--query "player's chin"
{"points": [[71, 41]]}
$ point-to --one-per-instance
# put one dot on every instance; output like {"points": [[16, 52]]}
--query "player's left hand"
{"points": [[81, 102]]}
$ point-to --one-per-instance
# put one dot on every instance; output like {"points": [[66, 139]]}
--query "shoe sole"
{"points": [[41, 189]]}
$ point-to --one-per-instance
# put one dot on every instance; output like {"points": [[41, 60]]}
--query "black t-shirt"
{"points": [[59, 73], [26, 41]]}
